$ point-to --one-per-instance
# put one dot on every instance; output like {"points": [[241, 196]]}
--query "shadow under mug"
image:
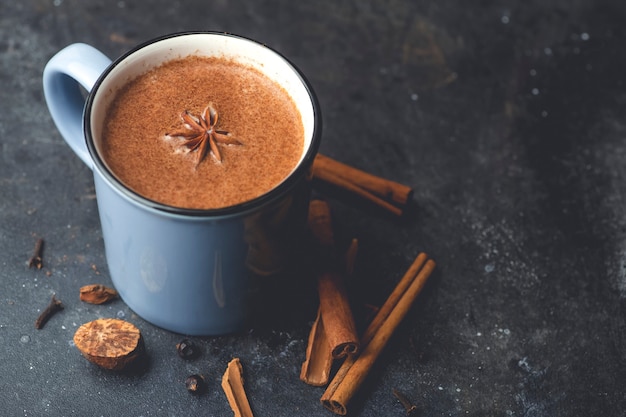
{"points": [[184, 270]]}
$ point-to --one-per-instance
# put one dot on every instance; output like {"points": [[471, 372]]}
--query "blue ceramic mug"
{"points": [[185, 270]]}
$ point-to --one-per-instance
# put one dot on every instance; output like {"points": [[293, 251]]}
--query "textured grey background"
{"points": [[506, 117]]}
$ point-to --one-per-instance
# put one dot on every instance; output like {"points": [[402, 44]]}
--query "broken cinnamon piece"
{"points": [[389, 195], [97, 294], [316, 368], [109, 343], [232, 384], [355, 368]]}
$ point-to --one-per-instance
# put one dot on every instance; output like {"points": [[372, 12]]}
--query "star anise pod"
{"points": [[201, 131]]}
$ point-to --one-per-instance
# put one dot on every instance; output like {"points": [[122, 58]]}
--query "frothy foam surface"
{"points": [[254, 109]]}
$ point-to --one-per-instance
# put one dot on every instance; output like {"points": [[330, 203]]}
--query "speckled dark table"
{"points": [[509, 120]]}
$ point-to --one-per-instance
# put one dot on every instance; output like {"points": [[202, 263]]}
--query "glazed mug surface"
{"points": [[185, 270]]}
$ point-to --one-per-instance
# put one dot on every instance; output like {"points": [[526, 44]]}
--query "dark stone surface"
{"points": [[506, 117]]}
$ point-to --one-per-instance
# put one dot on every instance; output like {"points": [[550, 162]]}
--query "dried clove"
{"points": [[37, 259], [409, 407], [54, 306], [195, 384]]}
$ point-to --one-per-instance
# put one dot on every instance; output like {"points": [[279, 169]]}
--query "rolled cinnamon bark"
{"points": [[355, 369], [337, 316], [389, 195], [334, 333]]}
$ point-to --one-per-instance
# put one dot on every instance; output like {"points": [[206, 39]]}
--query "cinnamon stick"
{"points": [[382, 314], [333, 334], [393, 298], [337, 316], [334, 304], [355, 368], [390, 195], [232, 384]]}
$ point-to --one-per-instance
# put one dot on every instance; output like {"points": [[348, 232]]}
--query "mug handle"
{"points": [[74, 66]]}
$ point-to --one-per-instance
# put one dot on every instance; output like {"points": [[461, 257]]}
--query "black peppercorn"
{"points": [[195, 384], [186, 349]]}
